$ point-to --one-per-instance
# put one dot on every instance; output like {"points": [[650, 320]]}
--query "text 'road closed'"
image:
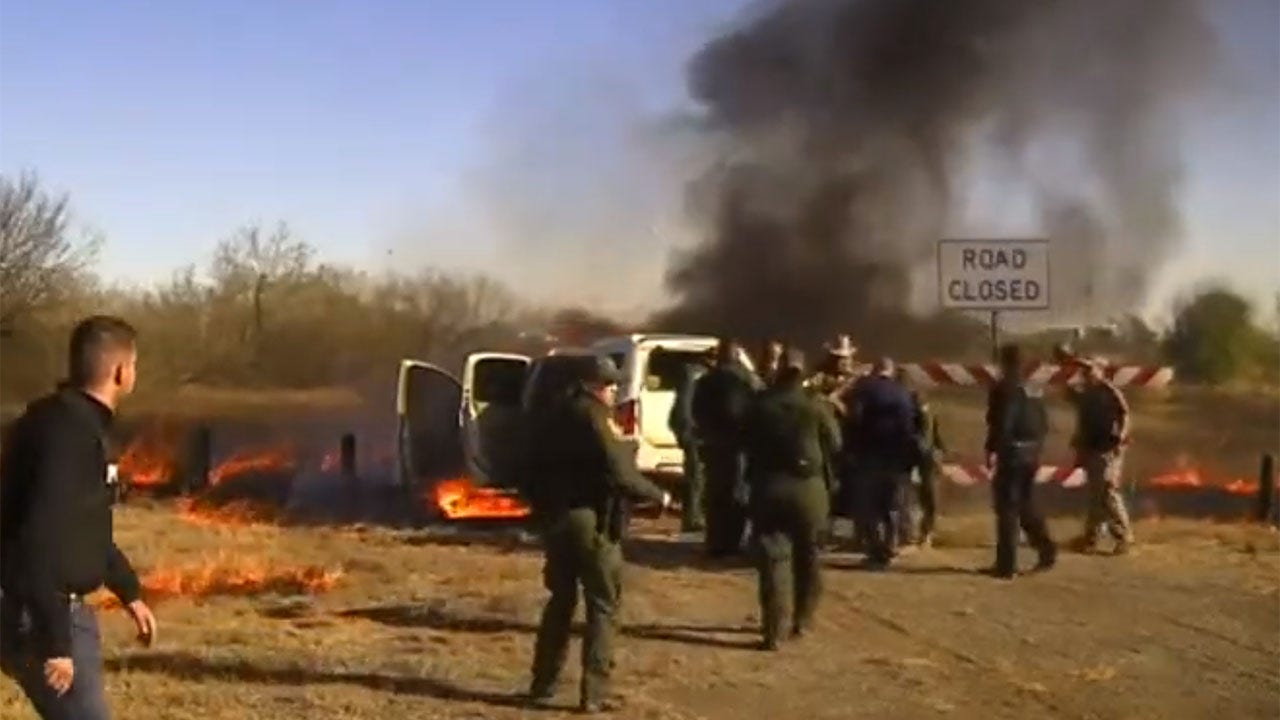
{"points": [[993, 274], [988, 291]]}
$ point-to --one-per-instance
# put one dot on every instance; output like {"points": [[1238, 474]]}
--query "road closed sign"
{"points": [[994, 274]]}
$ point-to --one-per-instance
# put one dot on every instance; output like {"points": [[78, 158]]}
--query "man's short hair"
{"points": [[727, 348], [1011, 356], [883, 364], [96, 344]]}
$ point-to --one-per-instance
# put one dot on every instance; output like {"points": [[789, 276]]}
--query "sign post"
{"points": [[994, 276], [995, 336]]}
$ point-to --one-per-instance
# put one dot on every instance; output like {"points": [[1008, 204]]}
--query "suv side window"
{"points": [[666, 369]]}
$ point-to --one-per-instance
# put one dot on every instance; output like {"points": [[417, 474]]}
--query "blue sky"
{"points": [[172, 123]]}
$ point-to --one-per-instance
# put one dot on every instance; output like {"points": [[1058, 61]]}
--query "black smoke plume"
{"points": [[846, 134]]}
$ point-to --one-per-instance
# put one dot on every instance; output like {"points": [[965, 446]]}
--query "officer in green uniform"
{"points": [[930, 454], [579, 480], [682, 426], [789, 435]]}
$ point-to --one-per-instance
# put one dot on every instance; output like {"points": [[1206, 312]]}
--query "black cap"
{"points": [[600, 370]]}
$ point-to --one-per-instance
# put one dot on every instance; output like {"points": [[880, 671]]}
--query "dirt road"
{"points": [[424, 625]]}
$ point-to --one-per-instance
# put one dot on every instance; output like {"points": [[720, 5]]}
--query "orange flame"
{"points": [[149, 460], [224, 575], [1240, 486], [1188, 478], [462, 499], [246, 462], [234, 513]]}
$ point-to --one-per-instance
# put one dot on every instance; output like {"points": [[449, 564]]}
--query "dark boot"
{"points": [[1048, 557]]}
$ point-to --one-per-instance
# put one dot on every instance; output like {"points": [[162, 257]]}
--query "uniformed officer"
{"points": [[693, 518], [1017, 425], [57, 487], [720, 399], [1102, 435], [928, 459], [836, 374], [881, 422], [580, 479], [788, 435], [832, 383]]}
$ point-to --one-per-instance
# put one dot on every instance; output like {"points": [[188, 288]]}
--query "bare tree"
{"points": [[252, 253], [252, 261], [37, 255]]}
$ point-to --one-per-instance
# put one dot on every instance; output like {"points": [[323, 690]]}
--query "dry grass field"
{"points": [[428, 623], [308, 620]]}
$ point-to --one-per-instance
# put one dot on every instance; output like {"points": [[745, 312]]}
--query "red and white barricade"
{"points": [[934, 374], [971, 474]]}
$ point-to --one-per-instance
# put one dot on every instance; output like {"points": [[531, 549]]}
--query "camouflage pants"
{"points": [[1106, 505], [577, 554]]}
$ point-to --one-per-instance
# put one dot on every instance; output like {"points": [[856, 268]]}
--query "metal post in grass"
{"points": [[200, 462], [1267, 489], [347, 457]]}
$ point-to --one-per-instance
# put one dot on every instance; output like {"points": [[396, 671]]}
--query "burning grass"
{"points": [[152, 458], [1186, 476], [462, 499], [264, 461], [224, 574], [199, 511]]}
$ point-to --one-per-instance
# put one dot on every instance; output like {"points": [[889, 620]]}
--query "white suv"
{"points": [[653, 366]]}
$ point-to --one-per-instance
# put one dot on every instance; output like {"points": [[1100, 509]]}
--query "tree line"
{"points": [[266, 311]]}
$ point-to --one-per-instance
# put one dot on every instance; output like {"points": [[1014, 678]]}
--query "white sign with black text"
{"points": [[993, 274]]}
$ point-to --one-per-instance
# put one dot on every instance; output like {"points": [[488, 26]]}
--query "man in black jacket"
{"points": [[720, 400], [57, 486], [1017, 425]]}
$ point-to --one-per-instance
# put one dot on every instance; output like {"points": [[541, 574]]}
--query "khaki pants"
{"points": [[1106, 505]]}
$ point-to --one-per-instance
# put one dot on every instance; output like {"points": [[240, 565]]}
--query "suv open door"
{"points": [[428, 440], [492, 386]]}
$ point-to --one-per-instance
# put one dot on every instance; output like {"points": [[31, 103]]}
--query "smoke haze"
{"points": [[845, 133]]}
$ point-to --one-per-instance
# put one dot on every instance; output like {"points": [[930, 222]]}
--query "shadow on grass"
{"points": [[694, 635], [938, 570], [898, 569], [434, 618], [659, 554], [507, 537], [186, 666]]}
